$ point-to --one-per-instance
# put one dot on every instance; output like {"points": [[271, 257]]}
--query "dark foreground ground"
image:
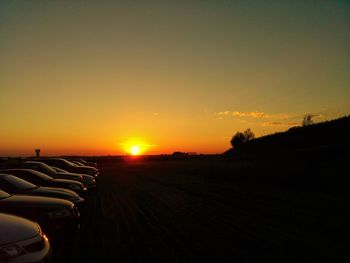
{"points": [[213, 210]]}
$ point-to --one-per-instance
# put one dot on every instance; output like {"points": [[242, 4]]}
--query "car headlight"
{"points": [[64, 212], [9, 252], [74, 187]]}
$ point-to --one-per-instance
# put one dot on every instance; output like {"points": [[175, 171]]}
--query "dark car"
{"points": [[77, 163], [83, 162], [22, 240], [42, 179], [69, 166], [59, 169], [55, 216], [87, 180], [14, 185]]}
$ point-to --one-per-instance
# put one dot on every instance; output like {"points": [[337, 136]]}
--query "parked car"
{"points": [[69, 166], [77, 163], [59, 169], [87, 180], [42, 179], [22, 240], [83, 162], [14, 185], [55, 216]]}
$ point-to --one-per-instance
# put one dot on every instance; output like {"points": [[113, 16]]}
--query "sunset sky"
{"points": [[97, 77]]}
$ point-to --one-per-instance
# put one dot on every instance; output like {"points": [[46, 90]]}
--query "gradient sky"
{"points": [[94, 77]]}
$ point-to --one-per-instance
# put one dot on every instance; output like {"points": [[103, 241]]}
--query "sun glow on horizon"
{"points": [[135, 150], [135, 146]]}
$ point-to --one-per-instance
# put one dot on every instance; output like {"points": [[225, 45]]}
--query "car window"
{"points": [[59, 162], [68, 163], [6, 186], [41, 175], [79, 164], [30, 175], [59, 169], [48, 161], [4, 194], [29, 178], [82, 161], [19, 183], [43, 167]]}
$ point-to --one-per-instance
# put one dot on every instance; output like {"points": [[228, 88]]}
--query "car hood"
{"points": [[71, 174], [66, 181], [85, 168], [14, 228], [35, 202], [54, 192], [86, 176]]}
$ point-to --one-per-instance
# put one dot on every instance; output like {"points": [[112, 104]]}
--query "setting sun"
{"points": [[135, 146], [135, 150]]}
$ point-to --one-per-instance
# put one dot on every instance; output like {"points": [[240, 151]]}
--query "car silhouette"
{"points": [[69, 166], [59, 169], [14, 185], [42, 179], [56, 216], [22, 240], [87, 180], [77, 163], [83, 162]]}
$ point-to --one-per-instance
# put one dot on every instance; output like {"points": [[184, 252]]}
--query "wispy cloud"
{"points": [[279, 123], [252, 114], [277, 120]]}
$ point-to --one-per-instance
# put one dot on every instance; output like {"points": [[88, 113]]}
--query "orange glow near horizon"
{"points": [[99, 78], [135, 146]]}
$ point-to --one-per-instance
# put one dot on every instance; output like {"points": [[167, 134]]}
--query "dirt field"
{"points": [[184, 210]]}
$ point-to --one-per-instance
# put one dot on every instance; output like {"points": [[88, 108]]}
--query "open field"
{"points": [[207, 209]]}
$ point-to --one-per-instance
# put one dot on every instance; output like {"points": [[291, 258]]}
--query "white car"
{"points": [[22, 240]]}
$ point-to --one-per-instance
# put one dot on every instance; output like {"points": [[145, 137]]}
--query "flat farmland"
{"points": [[205, 209]]}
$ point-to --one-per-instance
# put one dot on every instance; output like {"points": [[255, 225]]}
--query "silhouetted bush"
{"points": [[249, 135], [241, 137], [307, 120]]}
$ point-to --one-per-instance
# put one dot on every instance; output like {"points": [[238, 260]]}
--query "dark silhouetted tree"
{"points": [[237, 139], [307, 120], [241, 137], [249, 135]]}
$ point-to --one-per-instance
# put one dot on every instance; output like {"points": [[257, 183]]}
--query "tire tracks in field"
{"points": [[138, 217], [267, 219]]}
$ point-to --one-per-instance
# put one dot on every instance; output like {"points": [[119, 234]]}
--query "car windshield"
{"points": [[59, 169], [41, 175], [82, 161], [44, 167], [28, 172], [68, 162], [3, 195], [19, 183]]}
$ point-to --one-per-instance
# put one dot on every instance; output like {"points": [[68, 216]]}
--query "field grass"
{"points": [[206, 209]]}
